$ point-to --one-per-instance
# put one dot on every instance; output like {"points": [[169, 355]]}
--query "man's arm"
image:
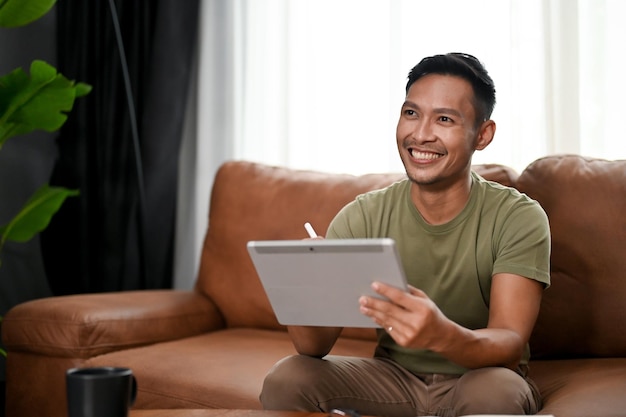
{"points": [[416, 322], [313, 341]]}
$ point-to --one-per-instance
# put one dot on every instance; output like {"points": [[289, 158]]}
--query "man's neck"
{"points": [[439, 205]]}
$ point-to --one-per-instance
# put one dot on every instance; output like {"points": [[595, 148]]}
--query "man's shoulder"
{"points": [[506, 201], [492, 186], [495, 190], [390, 192], [368, 208]]}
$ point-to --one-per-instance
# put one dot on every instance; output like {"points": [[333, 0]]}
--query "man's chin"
{"points": [[422, 178]]}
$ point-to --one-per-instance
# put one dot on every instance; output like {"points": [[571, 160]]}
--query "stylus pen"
{"points": [[310, 230]]}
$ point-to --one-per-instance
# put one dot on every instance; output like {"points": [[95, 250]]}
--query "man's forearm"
{"points": [[482, 348], [313, 341]]}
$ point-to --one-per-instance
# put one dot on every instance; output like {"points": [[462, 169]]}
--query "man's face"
{"points": [[436, 133]]}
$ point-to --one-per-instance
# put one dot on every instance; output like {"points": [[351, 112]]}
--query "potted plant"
{"points": [[39, 100]]}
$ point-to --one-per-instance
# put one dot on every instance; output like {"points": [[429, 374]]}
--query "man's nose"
{"points": [[423, 131]]}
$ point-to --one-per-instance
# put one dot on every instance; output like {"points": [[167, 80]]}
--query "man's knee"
{"points": [[493, 391], [286, 384]]}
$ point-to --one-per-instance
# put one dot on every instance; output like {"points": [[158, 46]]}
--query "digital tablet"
{"points": [[319, 282]]}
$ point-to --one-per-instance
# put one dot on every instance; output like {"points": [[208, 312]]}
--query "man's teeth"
{"points": [[424, 155]]}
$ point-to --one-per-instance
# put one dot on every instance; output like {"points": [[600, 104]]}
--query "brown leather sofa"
{"points": [[211, 347]]}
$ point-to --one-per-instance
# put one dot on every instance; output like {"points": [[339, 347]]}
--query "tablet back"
{"points": [[319, 282]]}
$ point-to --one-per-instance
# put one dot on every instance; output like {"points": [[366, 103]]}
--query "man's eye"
{"points": [[445, 119], [409, 112]]}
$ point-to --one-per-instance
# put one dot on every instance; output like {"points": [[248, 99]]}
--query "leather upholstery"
{"points": [[211, 347], [586, 203]]}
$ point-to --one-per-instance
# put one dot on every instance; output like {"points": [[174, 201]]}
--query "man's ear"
{"points": [[485, 134]]}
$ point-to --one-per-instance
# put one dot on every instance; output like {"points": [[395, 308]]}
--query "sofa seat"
{"points": [[226, 372], [227, 369], [221, 374], [580, 387]]}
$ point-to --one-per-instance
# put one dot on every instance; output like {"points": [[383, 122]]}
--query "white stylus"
{"points": [[310, 230]]}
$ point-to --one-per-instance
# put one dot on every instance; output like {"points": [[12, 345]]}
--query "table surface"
{"points": [[246, 413], [222, 413]]}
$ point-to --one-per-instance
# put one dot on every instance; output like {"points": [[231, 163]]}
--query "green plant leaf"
{"points": [[40, 101], [15, 13], [82, 89], [36, 214]]}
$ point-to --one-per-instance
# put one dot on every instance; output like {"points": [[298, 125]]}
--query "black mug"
{"points": [[100, 392]]}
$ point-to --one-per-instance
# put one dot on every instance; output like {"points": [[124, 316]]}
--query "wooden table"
{"points": [[221, 413]]}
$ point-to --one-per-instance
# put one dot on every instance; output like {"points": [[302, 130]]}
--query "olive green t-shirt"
{"points": [[499, 230]]}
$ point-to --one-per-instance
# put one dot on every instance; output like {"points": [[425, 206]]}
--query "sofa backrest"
{"points": [[583, 313], [250, 201]]}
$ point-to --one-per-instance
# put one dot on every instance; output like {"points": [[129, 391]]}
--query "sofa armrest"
{"points": [[86, 325]]}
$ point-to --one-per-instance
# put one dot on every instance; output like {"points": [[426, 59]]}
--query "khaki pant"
{"points": [[380, 387]]}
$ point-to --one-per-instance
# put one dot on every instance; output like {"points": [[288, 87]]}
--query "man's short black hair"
{"points": [[464, 66]]}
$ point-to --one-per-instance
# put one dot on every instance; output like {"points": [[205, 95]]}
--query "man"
{"points": [[475, 253]]}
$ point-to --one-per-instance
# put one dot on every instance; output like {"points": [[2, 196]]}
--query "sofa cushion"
{"points": [[252, 201], [581, 387], [257, 202], [583, 313], [227, 369]]}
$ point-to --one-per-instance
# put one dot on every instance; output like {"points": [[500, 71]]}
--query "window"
{"points": [[318, 84]]}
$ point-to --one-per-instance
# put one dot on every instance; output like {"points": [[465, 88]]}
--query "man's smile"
{"points": [[424, 155]]}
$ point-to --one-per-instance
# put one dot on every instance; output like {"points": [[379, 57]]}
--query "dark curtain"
{"points": [[118, 234]]}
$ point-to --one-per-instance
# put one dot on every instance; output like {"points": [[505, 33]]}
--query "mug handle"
{"points": [[133, 389]]}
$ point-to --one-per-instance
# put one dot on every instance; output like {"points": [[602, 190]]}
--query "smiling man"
{"points": [[476, 256]]}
